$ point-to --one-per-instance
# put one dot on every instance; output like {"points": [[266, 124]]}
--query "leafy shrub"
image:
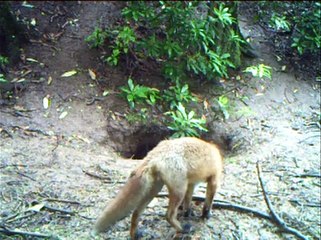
{"points": [[136, 93], [279, 22], [3, 60], [141, 116], [178, 35], [2, 78], [185, 124], [177, 94], [301, 19], [124, 37], [307, 34], [96, 38], [260, 71], [224, 104]]}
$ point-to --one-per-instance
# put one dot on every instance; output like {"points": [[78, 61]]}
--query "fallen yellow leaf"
{"points": [[69, 73], [63, 115], [92, 74]]}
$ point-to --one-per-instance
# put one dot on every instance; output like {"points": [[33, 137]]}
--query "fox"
{"points": [[179, 164]]}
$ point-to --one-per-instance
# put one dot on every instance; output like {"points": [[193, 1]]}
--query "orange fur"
{"points": [[179, 164]]}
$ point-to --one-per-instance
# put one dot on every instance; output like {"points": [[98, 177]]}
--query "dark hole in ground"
{"points": [[136, 141], [143, 148]]}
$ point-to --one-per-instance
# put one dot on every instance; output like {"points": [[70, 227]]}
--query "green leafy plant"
{"points": [[178, 94], [96, 38], [2, 78], [245, 112], [178, 37], [224, 104], [307, 34], [124, 38], [260, 71], [185, 124], [136, 93], [3, 60], [223, 15], [280, 23], [301, 19], [140, 116]]}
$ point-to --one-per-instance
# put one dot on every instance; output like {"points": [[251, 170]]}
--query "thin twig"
{"points": [[95, 175], [10, 232], [274, 217], [317, 205], [305, 139], [13, 165], [56, 145], [15, 217], [54, 209], [26, 176], [305, 175], [61, 200], [286, 96]]}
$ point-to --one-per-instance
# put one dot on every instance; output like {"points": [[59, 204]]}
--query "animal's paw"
{"points": [[94, 233], [189, 213], [206, 214], [186, 228], [138, 234]]}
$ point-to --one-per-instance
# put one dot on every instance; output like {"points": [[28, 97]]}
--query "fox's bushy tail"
{"points": [[126, 200]]}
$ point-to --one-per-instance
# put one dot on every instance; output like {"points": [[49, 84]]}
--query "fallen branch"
{"points": [[314, 136], [317, 205], [229, 206], [10, 232], [305, 175], [274, 217], [54, 209]]}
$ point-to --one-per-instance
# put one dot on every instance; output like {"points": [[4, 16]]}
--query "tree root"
{"points": [[274, 217]]}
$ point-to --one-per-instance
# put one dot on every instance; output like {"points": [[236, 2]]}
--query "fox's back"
{"points": [[186, 157]]}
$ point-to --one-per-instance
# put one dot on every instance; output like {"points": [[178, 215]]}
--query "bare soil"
{"points": [[57, 173]]}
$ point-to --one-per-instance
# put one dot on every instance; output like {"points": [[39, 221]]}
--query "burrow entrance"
{"points": [[135, 141]]}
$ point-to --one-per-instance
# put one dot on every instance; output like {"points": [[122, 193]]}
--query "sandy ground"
{"points": [[57, 174]]}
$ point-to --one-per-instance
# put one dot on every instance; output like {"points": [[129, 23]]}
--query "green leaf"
{"points": [[191, 115], [130, 84]]}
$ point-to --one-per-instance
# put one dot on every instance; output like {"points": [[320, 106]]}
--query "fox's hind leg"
{"points": [[212, 185], [187, 200]]}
